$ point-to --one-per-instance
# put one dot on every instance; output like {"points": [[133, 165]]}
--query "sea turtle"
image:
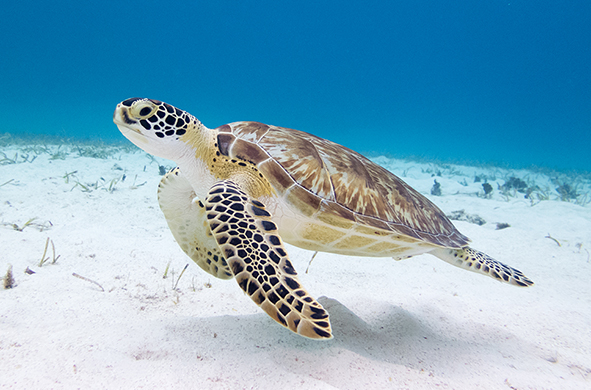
{"points": [[244, 188]]}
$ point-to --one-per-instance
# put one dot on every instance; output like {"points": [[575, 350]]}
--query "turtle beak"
{"points": [[121, 117], [129, 127]]}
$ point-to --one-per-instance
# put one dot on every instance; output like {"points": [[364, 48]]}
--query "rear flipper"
{"points": [[476, 261]]}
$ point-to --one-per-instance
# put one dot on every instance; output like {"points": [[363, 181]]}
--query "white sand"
{"points": [[414, 324]]}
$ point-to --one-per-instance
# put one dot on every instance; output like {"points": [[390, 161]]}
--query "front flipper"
{"points": [[473, 260], [185, 215], [250, 244]]}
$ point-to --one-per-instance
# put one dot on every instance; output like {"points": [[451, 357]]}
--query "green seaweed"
{"points": [[180, 275], [21, 228], [7, 160], [46, 259], [7, 182]]}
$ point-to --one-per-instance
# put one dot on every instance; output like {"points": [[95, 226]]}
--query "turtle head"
{"points": [[156, 127]]}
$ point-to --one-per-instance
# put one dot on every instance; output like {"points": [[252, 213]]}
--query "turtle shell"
{"points": [[315, 174]]}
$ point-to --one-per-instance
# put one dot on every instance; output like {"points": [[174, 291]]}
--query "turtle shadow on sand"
{"points": [[402, 337], [395, 336]]}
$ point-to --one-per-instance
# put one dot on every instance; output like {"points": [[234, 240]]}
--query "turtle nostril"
{"points": [[145, 111]]}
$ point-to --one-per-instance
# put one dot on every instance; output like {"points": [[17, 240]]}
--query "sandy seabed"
{"points": [[413, 324]]}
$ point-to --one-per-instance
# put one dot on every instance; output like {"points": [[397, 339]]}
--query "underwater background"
{"points": [[501, 82]]}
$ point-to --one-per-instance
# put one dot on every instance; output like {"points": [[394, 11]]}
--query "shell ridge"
{"points": [[263, 136], [325, 170]]}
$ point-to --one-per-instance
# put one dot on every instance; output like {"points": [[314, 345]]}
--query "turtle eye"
{"points": [[143, 109]]}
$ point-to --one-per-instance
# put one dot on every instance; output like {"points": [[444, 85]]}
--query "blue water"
{"points": [[477, 81]]}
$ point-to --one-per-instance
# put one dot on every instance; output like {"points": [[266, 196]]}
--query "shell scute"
{"points": [[276, 174], [305, 201], [225, 141], [336, 215], [248, 151]]}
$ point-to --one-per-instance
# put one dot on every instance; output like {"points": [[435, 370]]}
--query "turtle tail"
{"points": [[479, 262]]}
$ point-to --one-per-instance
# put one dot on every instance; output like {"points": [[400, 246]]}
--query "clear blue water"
{"points": [[477, 81]]}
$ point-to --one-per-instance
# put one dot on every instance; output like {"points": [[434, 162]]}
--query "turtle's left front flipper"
{"points": [[249, 241]]}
